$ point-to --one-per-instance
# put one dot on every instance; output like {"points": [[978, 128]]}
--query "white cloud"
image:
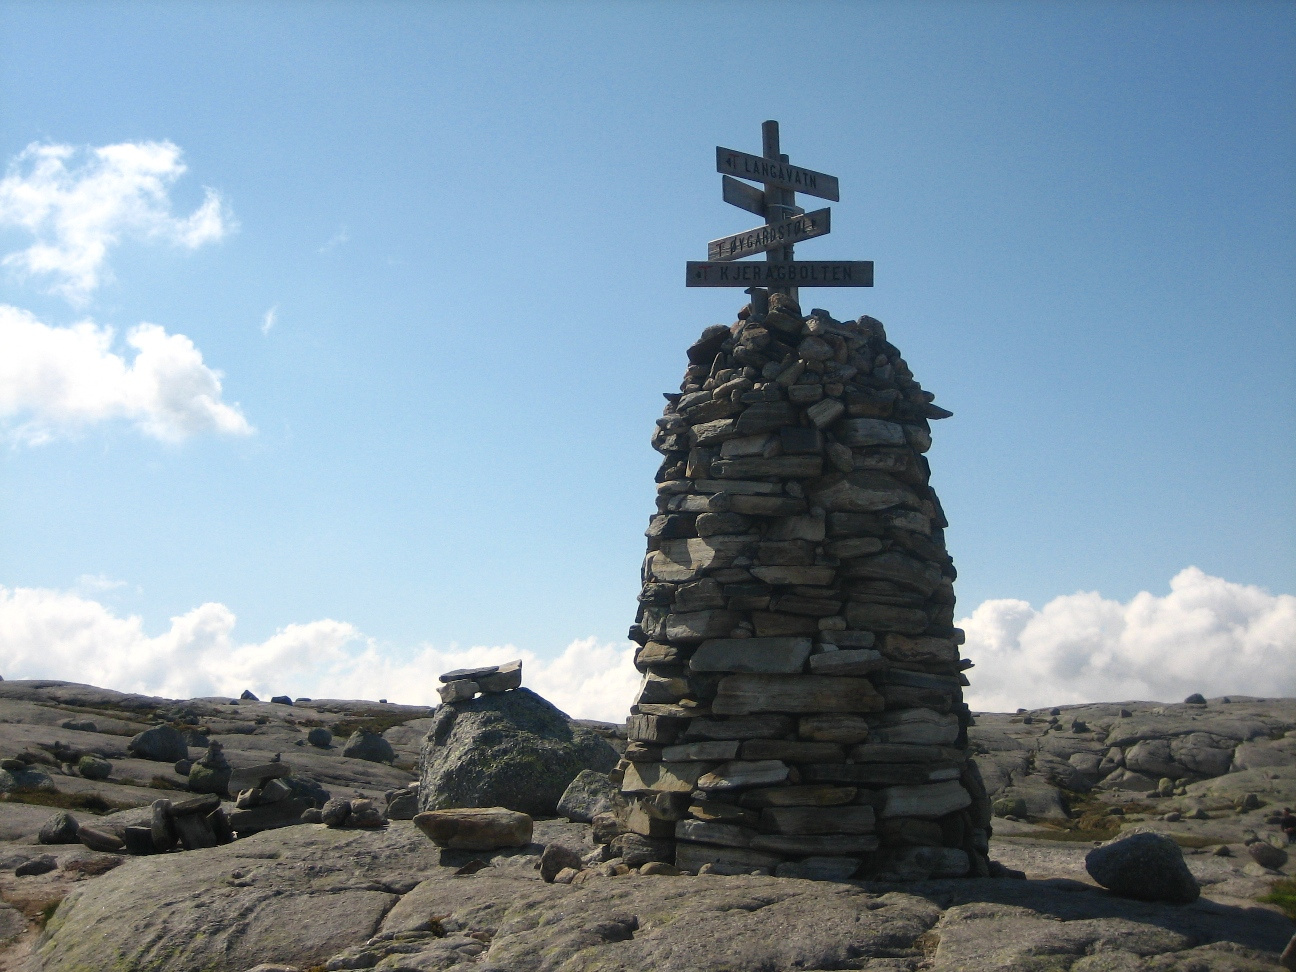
{"points": [[57, 379], [58, 634], [336, 240], [78, 203], [1207, 635], [270, 319]]}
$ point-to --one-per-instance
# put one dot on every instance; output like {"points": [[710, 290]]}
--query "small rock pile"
{"points": [[196, 822], [801, 710], [358, 813], [269, 796], [465, 683]]}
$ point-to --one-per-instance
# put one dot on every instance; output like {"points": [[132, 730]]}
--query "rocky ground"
{"points": [[310, 897]]}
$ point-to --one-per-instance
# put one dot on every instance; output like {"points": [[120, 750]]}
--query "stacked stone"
{"points": [[801, 710]]}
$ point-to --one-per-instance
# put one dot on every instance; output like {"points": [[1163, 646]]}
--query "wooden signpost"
{"points": [[785, 224]]}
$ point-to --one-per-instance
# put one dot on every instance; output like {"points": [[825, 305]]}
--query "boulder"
{"points": [[555, 858], [212, 773], [370, 746], [281, 700], [511, 749], [61, 828], [477, 828], [37, 865], [588, 794], [402, 804], [1143, 865], [1267, 855], [320, 738], [25, 781], [161, 743], [94, 768]]}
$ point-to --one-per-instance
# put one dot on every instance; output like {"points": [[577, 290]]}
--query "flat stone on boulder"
{"points": [[475, 828]]}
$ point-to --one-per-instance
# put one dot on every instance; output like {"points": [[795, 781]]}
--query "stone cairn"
{"points": [[801, 710]]}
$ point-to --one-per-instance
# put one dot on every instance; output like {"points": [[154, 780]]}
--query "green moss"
{"points": [[1283, 894]]}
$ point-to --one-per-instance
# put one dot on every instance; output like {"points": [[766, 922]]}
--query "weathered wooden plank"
{"points": [[784, 232], [743, 196], [774, 172], [798, 273]]}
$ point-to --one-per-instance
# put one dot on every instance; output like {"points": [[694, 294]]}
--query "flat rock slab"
{"points": [[476, 828], [305, 895]]}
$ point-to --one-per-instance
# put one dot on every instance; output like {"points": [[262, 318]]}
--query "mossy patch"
{"points": [[1283, 894]]}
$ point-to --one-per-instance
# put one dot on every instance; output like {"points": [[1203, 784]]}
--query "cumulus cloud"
{"points": [[64, 635], [77, 203], [55, 380], [1207, 635]]}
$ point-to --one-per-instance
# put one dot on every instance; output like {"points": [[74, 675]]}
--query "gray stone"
{"points": [[588, 795], [369, 746], [249, 777], [334, 813], [208, 779], [923, 863], [855, 661], [94, 768], [26, 781], [1142, 865], [403, 804], [161, 743], [636, 850], [837, 727], [745, 694], [763, 726], [282, 700], [766, 655], [738, 774], [714, 750], [507, 678], [512, 750], [61, 828], [247, 696], [476, 828], [459, 690], [320, 738], [98, 838], [926, 801], [1267, 855], [555, 858], [36, 865]]}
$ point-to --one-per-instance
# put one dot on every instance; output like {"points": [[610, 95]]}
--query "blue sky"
{"points": [[470, 221]]}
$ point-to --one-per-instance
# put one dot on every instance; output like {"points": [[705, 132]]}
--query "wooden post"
{"points": [[777, 200]]}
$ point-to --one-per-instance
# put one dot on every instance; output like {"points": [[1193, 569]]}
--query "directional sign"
{"points": [[770, 236], [798, 273], [754, 168], [743, 196]]}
